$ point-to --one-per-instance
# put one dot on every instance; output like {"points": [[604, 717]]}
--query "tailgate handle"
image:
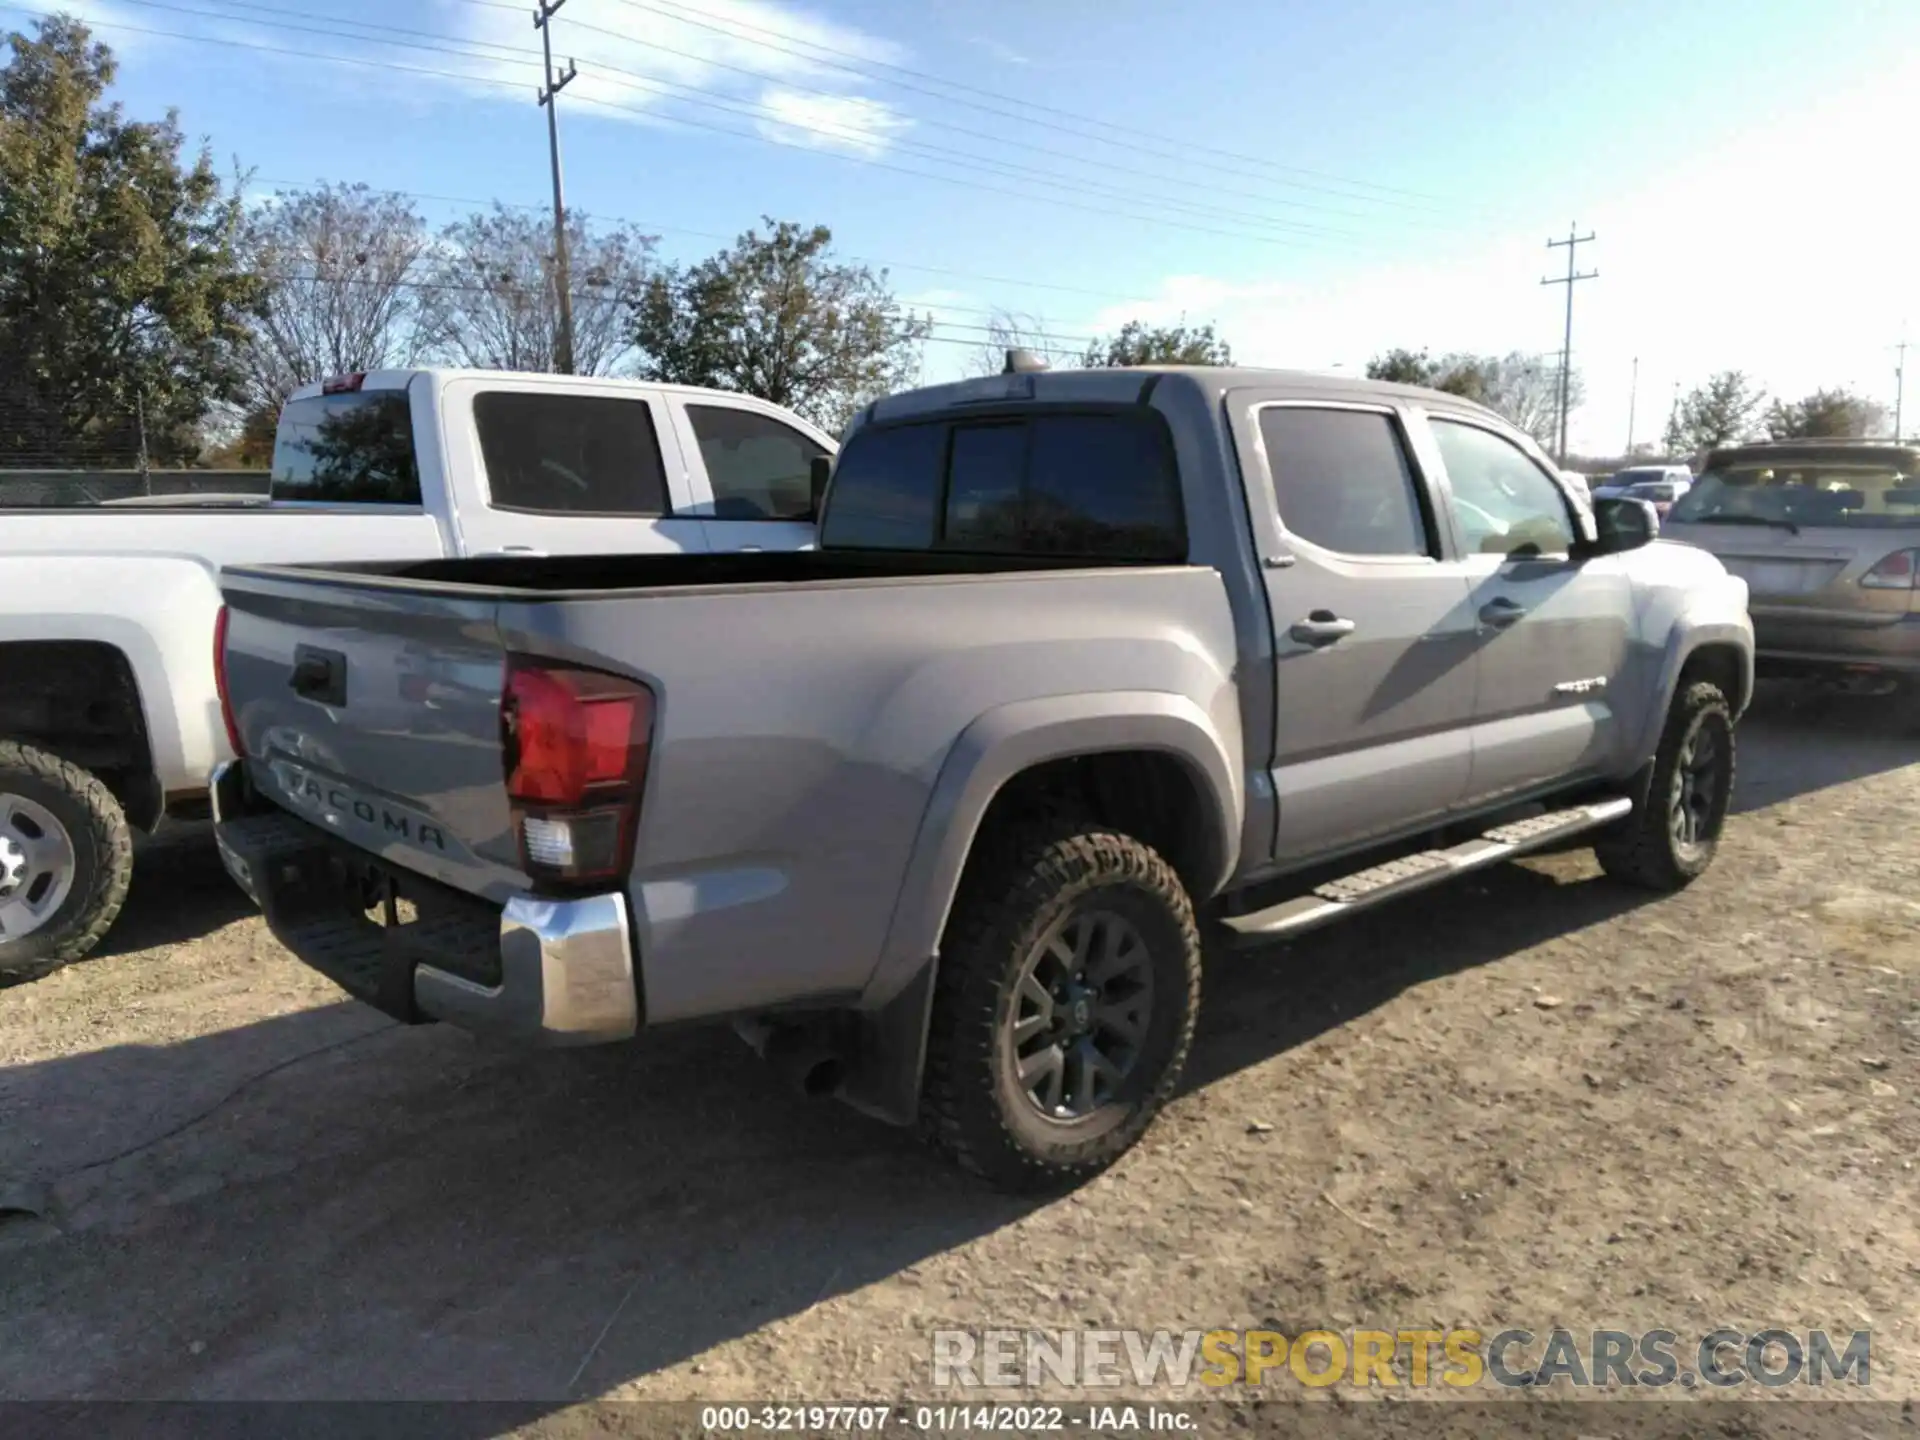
{"points": [[319, 675]]}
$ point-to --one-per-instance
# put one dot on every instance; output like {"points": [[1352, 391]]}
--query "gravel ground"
{"points": [[1534, 1099]]}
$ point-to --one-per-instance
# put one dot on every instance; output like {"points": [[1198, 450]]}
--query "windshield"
{"points": [[1857, 495]]}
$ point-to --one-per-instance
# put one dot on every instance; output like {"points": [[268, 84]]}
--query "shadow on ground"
{"points": [[1795, 740], [180, 893], [340, 1208]]}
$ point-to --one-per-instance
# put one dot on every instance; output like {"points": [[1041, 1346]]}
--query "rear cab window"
{"points": [[352, 448], [1067, 483]]}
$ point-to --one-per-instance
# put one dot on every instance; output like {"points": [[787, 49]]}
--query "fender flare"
{"points": [[1692, 638], [1013, 738]]}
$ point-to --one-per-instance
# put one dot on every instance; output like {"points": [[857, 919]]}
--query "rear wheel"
{"points": [[66, 860], [1669, 841], [1067, 991]]}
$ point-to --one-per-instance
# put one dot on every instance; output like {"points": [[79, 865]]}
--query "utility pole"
{"points": [[1899, 389], [549, 94], [1633, 401], [1572, 243]]}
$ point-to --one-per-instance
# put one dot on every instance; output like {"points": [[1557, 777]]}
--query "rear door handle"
{"points": [[1501, 612], [1322, 627]]}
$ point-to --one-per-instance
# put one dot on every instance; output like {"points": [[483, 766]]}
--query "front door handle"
{"points": [[1322, 627], [1501, 612]]}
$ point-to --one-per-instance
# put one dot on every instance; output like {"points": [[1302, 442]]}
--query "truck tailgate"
{"points": [[373, 711]]}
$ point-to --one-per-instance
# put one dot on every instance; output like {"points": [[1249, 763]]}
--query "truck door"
{"points": [[574, 467], [1373, 669], [1552, 631]]}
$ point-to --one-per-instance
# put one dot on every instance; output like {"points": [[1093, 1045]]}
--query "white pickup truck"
{"points": [[109, 718]]}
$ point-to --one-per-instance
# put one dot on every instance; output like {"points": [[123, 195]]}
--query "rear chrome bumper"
{"points": [[542, 972]]}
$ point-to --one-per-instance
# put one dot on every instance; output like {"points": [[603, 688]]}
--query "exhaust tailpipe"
{"points": [[810, 1059]]}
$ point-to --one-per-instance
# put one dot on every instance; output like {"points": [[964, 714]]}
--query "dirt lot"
{"points": [[1537, 1099]]}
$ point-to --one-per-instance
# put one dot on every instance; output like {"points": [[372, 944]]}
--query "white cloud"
{"points": [[757, 63], [1788, 254], [851, 123]]}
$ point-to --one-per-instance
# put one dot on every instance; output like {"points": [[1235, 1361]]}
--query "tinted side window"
{"points": [[347, 449], [1103, 485], [760, 469], [1503, 504], [985, 476], [570, 454], [1342, 481], [886, 489]]}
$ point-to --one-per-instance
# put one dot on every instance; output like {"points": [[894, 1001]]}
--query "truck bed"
{"points": [[582, 576]]}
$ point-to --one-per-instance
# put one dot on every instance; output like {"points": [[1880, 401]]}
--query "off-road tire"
{"points": [[1023, 881], [103, 860], [1643, 849]]}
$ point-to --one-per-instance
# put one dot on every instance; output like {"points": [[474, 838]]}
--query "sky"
{"points": [[1321, 181]]}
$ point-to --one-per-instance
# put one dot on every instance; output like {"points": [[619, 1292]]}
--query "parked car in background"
{"points": [[929, 811], [1660, 494], [108, 717], [1621, 481], [1826, 534]]}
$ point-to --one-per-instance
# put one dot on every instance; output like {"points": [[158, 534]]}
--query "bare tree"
{"points": [[343, 266], [1014, 330], [497, 306]]}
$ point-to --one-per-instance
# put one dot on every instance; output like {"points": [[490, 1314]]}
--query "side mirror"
{"points": [[819, 473], [1621, 525]]}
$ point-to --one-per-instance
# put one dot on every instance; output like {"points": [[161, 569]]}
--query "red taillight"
{"points": [[1899, 571], [575, 744], [343, 384], [225, 691]]}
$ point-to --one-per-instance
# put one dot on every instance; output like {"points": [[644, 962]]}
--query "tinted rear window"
{"points": [[570, 454], [353, 449], [1098, 485], [1865, 496]]}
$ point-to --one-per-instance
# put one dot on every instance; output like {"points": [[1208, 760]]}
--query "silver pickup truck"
{"points": [[935, 812]]}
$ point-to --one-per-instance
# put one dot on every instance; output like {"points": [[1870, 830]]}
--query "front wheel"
{"points": [[66, 859], [1064, 1007], [1670, 840]]}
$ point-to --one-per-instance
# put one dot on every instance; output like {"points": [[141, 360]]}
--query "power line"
{"points": [[1572, 243], [1104, 295], [997, 139], [1186, 153], [712, 100]]}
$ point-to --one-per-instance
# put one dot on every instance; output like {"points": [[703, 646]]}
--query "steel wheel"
{"points": [[37, 866], [1080, 1013]]}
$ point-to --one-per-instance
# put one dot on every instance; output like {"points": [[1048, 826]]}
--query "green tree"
{"points": [[1825, 414], [1519, 387], [1141, 344], [1719, 412], [777, 316], [121, 288]]}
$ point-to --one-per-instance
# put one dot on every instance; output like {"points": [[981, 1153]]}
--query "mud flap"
{"points": [[890, 1052]]}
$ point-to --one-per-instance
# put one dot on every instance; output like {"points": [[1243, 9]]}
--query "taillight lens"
{"points": [[1899, 571], [227, 717], [575, 745]]}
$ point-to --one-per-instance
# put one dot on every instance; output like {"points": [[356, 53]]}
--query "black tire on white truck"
{"points": [[66, 860]]}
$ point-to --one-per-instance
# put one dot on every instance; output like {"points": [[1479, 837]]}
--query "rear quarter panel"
{"points": [[801, 733]]}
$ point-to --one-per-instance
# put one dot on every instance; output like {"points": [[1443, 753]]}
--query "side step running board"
{"points": [[1351, 893]]}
